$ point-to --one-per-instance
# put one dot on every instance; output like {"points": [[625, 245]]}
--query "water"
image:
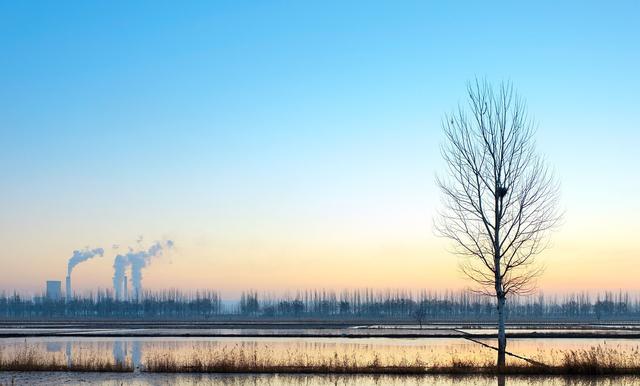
{"points": [[388, 351], [142, 379]]}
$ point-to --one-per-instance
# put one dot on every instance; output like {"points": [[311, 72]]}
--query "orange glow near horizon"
{"points": [[278, 267]]}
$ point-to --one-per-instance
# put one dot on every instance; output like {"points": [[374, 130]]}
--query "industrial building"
{"points": [[54, 290]]}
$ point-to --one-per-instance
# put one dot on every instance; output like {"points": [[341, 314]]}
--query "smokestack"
{"points": [[126, 289], [119, 266], [67, 292]]}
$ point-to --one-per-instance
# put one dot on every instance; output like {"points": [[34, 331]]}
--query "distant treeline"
{"points": [[324, 304]]}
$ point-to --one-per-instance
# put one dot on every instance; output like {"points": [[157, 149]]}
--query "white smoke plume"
{"points": [[137, 261], [82, 255]]}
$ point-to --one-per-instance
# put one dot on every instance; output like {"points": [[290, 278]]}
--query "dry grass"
{"points": [[31, 359], [600, 361], [594, 361], [239, 360]]}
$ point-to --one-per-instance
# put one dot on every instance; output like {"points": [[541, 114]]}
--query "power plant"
{"points": [[132, 261], [135, 261]]}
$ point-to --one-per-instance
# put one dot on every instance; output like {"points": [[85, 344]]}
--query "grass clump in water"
{"points": [[600, 361], [593, 361], [31, 359], [240, 360]]}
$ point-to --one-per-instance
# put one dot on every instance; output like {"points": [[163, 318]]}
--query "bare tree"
{"points": [[500, 199], [420, 312]]}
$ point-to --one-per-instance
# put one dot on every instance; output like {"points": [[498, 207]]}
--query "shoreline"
{"points": [[322, 336], [464, 371], [320, 330]]}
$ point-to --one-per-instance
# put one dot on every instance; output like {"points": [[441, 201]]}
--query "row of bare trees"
{"points": [[102, 304], [389, 305]]}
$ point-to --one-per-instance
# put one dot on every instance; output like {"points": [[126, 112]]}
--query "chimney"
{"points": [[117, 287], [126, 289], [68, 289]]}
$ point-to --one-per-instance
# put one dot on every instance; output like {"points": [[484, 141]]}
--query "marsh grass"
{"points": [[250, 362], [587, 362], [601, 360], [29, 358], [594, 361]]}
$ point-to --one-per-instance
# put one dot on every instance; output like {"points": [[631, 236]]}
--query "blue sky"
{"points": [[288, 125]]}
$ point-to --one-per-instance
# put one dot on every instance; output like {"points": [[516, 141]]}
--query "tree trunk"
{"points": [[502, 337]]}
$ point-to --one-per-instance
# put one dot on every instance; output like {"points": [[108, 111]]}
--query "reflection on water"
{"points": [[119, 351], [143, 379], [136, 353], [68, 354], [54, 346]]}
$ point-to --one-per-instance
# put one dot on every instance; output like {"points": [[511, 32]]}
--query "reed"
{"points": [[600, 360], [595, 361], [591, 362], [31, 359]]}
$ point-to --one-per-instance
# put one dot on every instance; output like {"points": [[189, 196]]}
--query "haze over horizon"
{"points": [[291, 146]]}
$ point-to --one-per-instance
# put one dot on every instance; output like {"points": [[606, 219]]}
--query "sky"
{"points": [[285, 145]]}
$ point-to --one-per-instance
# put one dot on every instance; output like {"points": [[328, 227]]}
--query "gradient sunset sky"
{"points": [[287, 145]]}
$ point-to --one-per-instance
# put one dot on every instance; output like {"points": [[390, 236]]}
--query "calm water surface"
{"points": [[141, 379]]}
